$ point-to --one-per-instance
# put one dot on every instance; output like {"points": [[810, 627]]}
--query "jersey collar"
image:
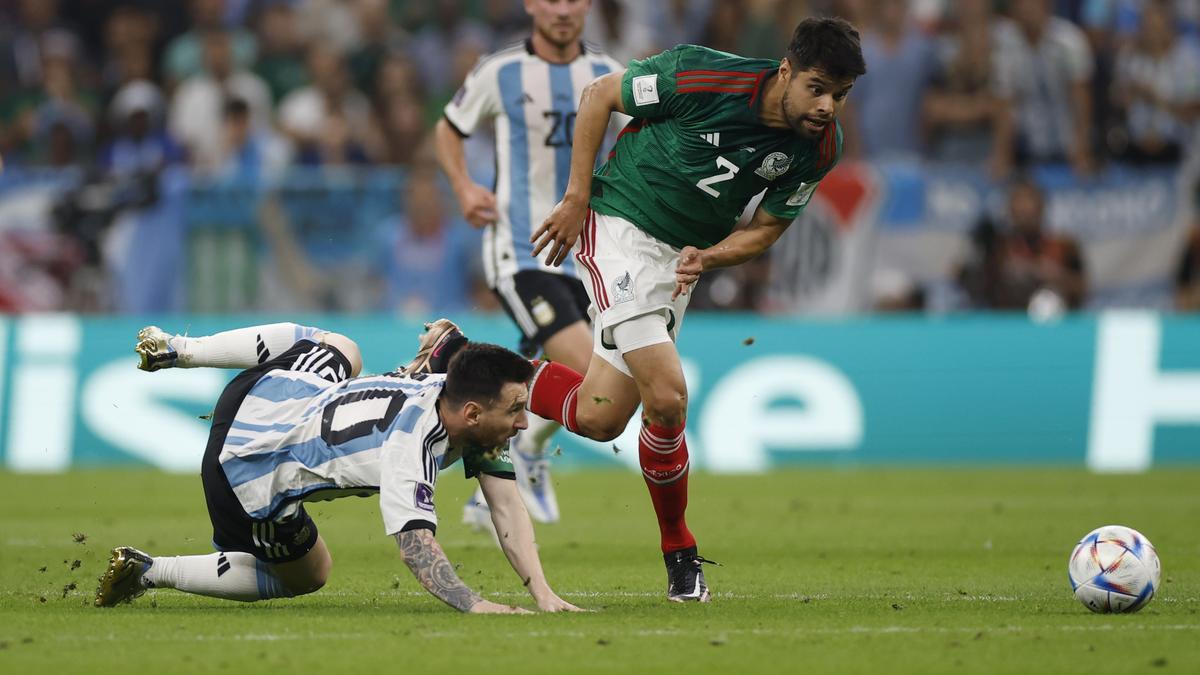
{"points": [[529, 50]]}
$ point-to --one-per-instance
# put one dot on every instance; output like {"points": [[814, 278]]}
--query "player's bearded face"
{"points": [[559, 21], [502, 420], [812, 101]]}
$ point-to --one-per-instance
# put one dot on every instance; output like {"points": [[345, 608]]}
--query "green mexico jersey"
{"points": [[696, 153]]}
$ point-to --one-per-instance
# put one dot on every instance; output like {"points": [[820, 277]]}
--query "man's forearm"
{"points": [[515, 532], [739, 246], [451, 154], [424, 556], [591, 124]]}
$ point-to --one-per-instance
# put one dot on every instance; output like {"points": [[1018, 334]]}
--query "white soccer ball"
{"points": [[1114, 569]]}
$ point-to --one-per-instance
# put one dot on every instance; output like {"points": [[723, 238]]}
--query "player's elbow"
{"points": [[604, 91]]}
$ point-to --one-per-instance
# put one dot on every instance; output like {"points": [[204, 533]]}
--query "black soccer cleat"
{"points": [[685, 578], [441, 340], [122, 581]]}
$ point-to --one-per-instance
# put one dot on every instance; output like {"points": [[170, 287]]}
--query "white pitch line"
{"points": [[643, 633]]}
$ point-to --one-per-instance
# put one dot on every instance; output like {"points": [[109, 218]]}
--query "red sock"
{"points": [[554, 393], [664, 459]]}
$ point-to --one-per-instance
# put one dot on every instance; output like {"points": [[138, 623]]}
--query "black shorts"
{"points": [[269, 540], [541, 304]]}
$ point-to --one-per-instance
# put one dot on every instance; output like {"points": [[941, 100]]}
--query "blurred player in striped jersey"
{"points": [[711, 130], [299, 424], [528, 93]]}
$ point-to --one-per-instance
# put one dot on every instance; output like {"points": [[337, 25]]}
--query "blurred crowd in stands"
{"points": [[241, 91]]}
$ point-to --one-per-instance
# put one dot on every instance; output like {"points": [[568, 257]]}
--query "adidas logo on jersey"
{"points": [[714, 138]]}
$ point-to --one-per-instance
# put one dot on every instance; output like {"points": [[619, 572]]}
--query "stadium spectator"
{"points": [[1157, 88], [1013, 263], [1044, 73], [722, 31], [330, 22], [425, 252], [448, 24], [280, 60], [404, 130], [140, 144], [62, 125], [196, 109], [250, 154], [680, 21], [622, 28], [185, 57], [1187, 291], [1187, 277], [186, 54], [883, 120], [130, 33], [961, 112], [380, 38], [38, 28], [307, 113]]}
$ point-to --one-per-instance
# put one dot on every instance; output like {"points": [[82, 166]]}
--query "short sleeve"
{"points": [[476, 100], [648, 86], [499, 465], [1078, 54], [405, 495], [787, 199]]}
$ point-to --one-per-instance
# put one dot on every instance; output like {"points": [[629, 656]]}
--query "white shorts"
{"points": [[627, 274]]}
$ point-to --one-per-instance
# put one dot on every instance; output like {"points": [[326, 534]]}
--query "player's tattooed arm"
{"points": [[424, 556]]}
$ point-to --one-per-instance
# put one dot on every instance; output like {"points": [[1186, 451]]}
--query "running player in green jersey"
{"points": [[710, 131]]}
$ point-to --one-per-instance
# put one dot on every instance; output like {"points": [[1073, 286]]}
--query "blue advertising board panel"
{"points": [[1115, 391]]}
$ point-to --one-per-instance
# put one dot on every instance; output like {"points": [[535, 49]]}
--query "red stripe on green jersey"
{"points": [[701, 152]]}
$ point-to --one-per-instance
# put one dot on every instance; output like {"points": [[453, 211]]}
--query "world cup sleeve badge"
{"points": [[423, 497]]}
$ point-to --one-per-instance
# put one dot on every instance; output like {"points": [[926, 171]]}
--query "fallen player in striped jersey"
{"points": [[299, 424]]}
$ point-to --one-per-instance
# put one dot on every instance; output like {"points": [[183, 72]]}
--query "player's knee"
{"points": [[598, 426], [348, 348], [312, 582], [665, 404]]}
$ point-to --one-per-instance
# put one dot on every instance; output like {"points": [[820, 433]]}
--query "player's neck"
{"points": [[770, 111], [548, 51]]}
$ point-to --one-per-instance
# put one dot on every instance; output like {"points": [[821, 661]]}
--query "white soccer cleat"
{"points": [[533, 479], [478, 515], [154, 349]]}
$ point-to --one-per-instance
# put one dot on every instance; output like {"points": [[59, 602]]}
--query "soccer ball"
{"points": [[1114, 569]]}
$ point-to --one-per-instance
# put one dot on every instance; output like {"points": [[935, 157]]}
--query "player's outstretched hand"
{"points": [[560, 230], [552, 603], [478, 205], [687, 272], [489, 607]]}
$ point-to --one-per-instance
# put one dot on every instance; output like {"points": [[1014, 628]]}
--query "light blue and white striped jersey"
{"points": [[298, 437], [533, 105]]}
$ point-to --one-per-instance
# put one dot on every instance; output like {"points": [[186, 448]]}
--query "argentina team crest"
{"points": [[775, 165]]}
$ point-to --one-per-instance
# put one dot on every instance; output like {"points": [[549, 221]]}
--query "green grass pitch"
{"points": [[824, 571]]}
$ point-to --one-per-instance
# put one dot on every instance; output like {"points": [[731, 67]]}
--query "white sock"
{"points": [[537, 435], [241, 348], [228, 574]]}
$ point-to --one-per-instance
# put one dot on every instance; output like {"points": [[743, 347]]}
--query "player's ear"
{"points": [[472, 412]]}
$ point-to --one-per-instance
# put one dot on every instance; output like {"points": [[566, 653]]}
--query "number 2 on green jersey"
{"points": [[731, 170]]}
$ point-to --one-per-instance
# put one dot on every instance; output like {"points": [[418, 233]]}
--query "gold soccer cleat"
{"points": [[441, 340], [122, 581], [154, 349]]}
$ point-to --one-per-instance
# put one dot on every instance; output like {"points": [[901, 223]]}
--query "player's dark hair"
{"points": [[480, 370], [829, 45]]}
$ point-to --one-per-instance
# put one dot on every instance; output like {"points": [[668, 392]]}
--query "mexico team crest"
{"points": [[623, 289], [775, 165]]}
